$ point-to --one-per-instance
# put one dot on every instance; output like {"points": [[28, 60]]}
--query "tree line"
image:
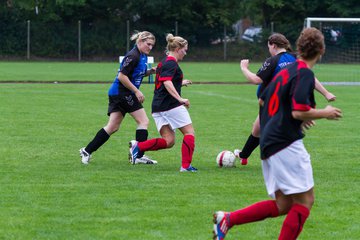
{"points": [[104, 24]]}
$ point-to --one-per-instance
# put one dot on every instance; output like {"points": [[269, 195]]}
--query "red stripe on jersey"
{"points": [[171, 58], [285, 76], [300, 107], [161, 79], [301, 64]]}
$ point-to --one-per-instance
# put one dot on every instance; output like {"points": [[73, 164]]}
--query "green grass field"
{"points": [[198, 72], [47, 194]]}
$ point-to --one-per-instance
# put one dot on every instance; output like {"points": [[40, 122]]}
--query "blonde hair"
{"points": [[310, 43], [142, 36], [174, 42]]}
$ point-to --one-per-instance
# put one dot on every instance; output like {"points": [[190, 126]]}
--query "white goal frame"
{"points": [[352, 75], [307, 22]]}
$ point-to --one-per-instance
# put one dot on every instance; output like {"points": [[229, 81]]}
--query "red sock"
{"points": [[294, 222], [255, 212], [152, 144], [187, 150]]}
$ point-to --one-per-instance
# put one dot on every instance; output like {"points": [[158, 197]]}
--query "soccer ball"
{"points": [[226, 159]]}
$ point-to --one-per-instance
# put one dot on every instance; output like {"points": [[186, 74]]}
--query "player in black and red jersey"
{"points": [[281, 56], [169, 108], [288, 104]]}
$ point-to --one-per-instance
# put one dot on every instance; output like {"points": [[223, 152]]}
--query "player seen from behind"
{"points": [[281, 56], [288, 104]]}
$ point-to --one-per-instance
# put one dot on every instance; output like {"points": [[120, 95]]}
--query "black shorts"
{"points": [[124, 104]]}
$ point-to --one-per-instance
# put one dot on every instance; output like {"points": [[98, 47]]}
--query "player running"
{"points": [[288, 103], [126, 97], [169, 108], [281, 56]]}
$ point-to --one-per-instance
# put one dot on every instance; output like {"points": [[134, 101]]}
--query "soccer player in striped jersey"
{"points": [[288, 102], [126, 97], [281, 56], [169, 108]]}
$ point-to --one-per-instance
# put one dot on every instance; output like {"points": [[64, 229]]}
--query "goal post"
{"points": [[341, 61], [307, 22]]}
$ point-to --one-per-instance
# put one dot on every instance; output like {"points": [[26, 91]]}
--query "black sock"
{"points": [[250, 145], [141, 136], [100, 138]]}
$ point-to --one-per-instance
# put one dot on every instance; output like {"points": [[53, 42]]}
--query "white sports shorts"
{"points": [[177, 118], [289, 170]]}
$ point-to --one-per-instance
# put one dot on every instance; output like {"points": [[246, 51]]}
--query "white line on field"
{"points": [[342, 83], [240, 99]]}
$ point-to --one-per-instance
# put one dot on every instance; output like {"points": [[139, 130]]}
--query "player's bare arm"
{"points": [[261, 102], [329, 112], [150, 71], [321, 89], [306, 125], [186, 82], [127, 83], [172, 91], [250, 76]]}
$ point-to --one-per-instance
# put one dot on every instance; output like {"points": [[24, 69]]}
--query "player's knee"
{"points": [[170, 142], [284, 206], [111, 128], [256, 130], [311, 200], [307, 200], [192, 133], [143, 124]]}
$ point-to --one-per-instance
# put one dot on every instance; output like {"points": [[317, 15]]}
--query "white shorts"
{"points": [[289, 170], [177, 118]]}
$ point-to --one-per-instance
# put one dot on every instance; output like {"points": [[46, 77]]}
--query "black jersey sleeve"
{"points": [[168, 71], [302, 91], [129, 63], [267, 70]]}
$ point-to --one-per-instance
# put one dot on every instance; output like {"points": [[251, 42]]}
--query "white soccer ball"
{"points": [[226, 159]]}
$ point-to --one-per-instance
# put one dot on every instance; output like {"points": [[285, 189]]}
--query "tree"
{"points": [[54, 25]]}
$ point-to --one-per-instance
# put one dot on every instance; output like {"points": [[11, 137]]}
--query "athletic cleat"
{"points": [[189, 169], [244, 161], [85, 156], [134, 151], [221, 225], [145, 160]]}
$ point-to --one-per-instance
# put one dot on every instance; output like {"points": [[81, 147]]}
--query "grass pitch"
{"points": [[47, 194], [197, 72]]}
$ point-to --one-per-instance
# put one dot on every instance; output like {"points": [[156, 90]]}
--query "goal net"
{"points": [[341, 61]]}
